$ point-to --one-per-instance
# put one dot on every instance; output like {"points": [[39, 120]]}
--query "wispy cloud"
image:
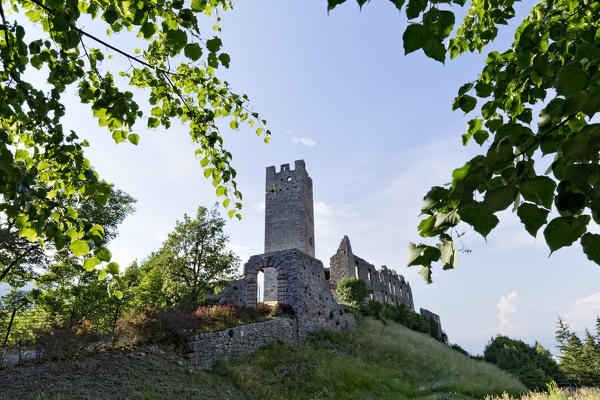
{"points": [[304, 140], [260, 206]]}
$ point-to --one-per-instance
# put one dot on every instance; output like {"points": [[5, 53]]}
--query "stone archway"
{"points": [[257, 264]]}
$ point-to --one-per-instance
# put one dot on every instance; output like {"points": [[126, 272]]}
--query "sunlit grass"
{"points": [[579, 394]]}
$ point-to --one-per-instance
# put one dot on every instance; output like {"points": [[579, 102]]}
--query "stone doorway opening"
{"points": [[266, 286], [266, 281]]}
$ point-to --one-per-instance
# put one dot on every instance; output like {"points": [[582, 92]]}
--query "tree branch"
{"points": [[123, 53]]}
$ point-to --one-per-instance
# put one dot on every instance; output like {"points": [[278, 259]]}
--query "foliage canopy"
{"points": [[552, 70], [43, 169]]}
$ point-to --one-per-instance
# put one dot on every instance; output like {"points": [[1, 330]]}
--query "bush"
{"points": [[175, 325], [373, 309], [352, 291], [66, 340]]}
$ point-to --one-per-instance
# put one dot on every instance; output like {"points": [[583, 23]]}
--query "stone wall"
{"points": [[289, 218], [300, 283], [428, 314], [205, 349], [384, 285]]}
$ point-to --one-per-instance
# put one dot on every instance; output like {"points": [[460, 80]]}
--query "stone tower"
{"points": [[289, 218]]}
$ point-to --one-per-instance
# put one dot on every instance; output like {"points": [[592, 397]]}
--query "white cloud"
{"points": [[259, 206], [506, 324], [304, 140], [583, 312], [506, 307]]}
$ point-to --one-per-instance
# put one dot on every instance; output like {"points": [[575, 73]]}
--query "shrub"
{"points": [[66, 340], [175, 325], [352, 291], [373, 309]]}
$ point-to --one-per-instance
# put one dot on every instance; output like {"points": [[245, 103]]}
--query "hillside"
{"points": [[375, 360]]}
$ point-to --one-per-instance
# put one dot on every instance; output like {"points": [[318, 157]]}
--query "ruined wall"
{"points": [[205, 349], [384, 285], [301, 284], [428, 314], [289, 217]]}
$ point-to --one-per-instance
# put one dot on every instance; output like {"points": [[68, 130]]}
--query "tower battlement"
{"points": [[289, 217]]}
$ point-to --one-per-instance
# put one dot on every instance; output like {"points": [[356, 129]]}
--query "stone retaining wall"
{"points": [[205, 349]]}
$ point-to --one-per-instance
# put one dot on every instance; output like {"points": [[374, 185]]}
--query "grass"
{"points": [[373, 361], [579, 394]]}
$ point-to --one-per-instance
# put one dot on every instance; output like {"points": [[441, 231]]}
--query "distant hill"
{"points": [[373, 361]]}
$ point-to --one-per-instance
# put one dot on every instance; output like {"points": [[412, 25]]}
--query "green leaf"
{"points": [[479, 217], [198, 5], [413, 38], [225, 59], [204, 162], [148, 29], [532, 217], [221, 191], [176, 39], [433, 198], [500, 198], [563, 231], [102, 274], [425, 272], [571, 79], [79, 248], [434, 48], [231, 213], [467, 103], [591, 245], [539, 190], [214, 44], [448, 253], [192, 51], [331, 4], [113, 268], [133, 138], [427, 227], [103, 254], [90, 263], [226, 203], [422, 255], [446, 21], [415, 7], [118, 294]]}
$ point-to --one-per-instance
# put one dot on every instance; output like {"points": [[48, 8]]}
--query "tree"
{"points": [[579, 360], [58, 288], [43, 169], [352, 291], [533, 365], [553, 65], [192, 263]]}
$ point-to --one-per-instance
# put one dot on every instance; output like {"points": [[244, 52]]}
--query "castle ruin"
{"points": [[292, 274]]}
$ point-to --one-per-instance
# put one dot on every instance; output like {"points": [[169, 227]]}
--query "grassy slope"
{"points": [[374, 361]]}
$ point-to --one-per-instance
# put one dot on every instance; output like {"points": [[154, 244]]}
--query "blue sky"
{"points": [[376, 130]]}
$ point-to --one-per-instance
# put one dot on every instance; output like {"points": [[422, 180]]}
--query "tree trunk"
{"points": [[12, 318], [114, 325]]}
